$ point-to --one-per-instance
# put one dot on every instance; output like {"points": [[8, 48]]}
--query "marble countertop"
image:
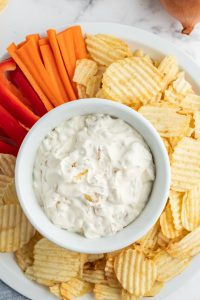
{"points": [[28, 16]]}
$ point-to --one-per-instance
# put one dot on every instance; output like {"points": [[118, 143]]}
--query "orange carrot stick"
{"points": [[21, 44], [50, 66], [59, 61], [43, 41], [79, 43], [12, 51], [67, 49], [34, 36], [29, 54]]}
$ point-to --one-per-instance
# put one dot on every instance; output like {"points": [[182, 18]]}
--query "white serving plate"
{"points": [[153, 45]]}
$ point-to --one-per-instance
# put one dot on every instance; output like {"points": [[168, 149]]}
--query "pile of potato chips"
{"points": [[160, 92]]}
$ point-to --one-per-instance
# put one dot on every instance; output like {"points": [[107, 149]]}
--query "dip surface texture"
{"points": [[93, 175]]}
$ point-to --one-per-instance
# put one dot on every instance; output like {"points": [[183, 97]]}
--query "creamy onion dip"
{"points": [[93, 175]]}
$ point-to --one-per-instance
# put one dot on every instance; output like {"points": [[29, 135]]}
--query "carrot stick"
{"points": [[59, 61], [12, 51], [79, 43], [43, 41], [66, 44], [34, 36], [50, 66], [31, 58], [21, 44]]}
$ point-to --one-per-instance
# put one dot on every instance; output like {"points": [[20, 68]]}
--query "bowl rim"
{"points": [[92, 248]]}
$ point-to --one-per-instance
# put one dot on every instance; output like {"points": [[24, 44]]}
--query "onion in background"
{"points": [[186, 11]]}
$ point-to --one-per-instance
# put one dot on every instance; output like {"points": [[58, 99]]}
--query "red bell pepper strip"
{"points": [[10, 101], [18, 78], [8, 149], [11, 126], [3, 134]]}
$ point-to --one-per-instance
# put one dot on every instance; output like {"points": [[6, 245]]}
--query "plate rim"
{"points": [[158, 44]]}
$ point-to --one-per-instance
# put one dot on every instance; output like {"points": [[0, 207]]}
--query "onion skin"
{"points": [[186, 11]]}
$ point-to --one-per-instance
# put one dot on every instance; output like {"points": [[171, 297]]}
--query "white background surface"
{"points": [[27, 16]]}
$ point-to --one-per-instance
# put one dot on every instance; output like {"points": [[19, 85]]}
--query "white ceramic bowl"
{"points": [[73, 241]]}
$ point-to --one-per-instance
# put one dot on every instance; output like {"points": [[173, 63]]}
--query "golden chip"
{"points": [[30, 275], [100, 264], [180, 85], [174, 140], [175, 201], [168, 267], [155, 99], [166, 120], [81, 89], [138, 53], [156, 288], [94, 276], [74, 288], [163, 241], [168, 146], [53, 263], [127, 296], [189, 102], [188, 246], [131, 80], [167, 224], [24, 255], [8, 193], [7, 164], [110, 273], [15, 229], [3, 4], [105, 49], [105, 292], [149, 240], [93, 85], [197, 124], [55, 290], [100, 94], [185, 165], [169, 68], [135, 273], [85, 69], [191, 209], [94, 257]]}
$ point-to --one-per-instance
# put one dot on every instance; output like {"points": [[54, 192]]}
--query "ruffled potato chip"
{"points": [[74, 288], [156, 288], [191, 209], [175, 202], [166, 120], [127, 296], [3, 4], [135, 273], [131, 80], [15, 229], [188, 246], [7, 164], [105, 49], [24, 255], [85, 69], [169, 68], [167, 224], [55, 290], [53, 263], [180, 85], [110, 273], [185, 165], [168, 267], [105, 292]]}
